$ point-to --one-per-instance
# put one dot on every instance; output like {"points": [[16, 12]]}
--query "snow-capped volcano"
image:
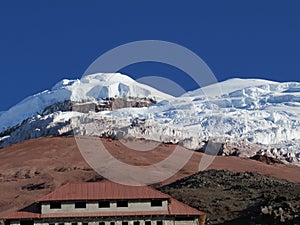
{"points": [[89, 88], [259, 116]]}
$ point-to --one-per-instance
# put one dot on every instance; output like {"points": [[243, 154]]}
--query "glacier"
{"points": [[89, 88], [259, 116]]}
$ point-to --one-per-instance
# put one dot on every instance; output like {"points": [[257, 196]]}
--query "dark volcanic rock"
{"points": [[265, 159], [34, 187], [239, 198]]}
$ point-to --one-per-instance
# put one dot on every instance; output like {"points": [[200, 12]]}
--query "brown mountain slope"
{"points": [[33, 168]]}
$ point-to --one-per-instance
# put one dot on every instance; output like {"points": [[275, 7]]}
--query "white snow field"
{"points": [[248, 112], [91, 87]]}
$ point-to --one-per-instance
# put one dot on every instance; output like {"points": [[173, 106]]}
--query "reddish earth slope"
{"points": [[33, 168]]}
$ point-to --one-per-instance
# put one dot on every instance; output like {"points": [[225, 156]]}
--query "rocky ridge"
{"points": [[239, 198]]}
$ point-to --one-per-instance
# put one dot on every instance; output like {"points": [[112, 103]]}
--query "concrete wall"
{"points": [[118, 221], [68, 207], [186, 222], [15, 222]]}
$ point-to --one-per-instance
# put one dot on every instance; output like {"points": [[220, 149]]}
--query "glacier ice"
{"points": [[248, 111]]}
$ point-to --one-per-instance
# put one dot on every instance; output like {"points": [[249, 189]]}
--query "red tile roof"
{"points": [[179, 208], [102, 190], [176, 208], [23, 215], [107, 190]]}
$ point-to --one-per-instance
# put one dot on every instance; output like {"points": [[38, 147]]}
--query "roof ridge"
{"points": [[102, 190], [54, 191]]}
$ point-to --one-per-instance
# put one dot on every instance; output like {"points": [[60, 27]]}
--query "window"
{"points": [[122, 204], [74, 223], [112, 223], [148, 222], [159, 222], [55, 205], [101, 223], [136, 223], [155, 203], [85, 223], [61, 224], [80, 205], [124, 223], [104, 204], [26, 222], [51, 223]]}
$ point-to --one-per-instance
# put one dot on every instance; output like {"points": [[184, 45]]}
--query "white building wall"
{"points": [[118, 221], [68, 207], [186, 222], [16, 222]]}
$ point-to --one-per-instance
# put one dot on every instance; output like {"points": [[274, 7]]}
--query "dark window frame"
{"points": [[159, 222], [26, 222], [136, 222], [122, 204], [148, 222], [80, 205], [55, 205], [156, 203], [125, 223], [104, 204]]}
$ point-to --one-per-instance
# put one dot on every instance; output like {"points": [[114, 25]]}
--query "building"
{"points": [[106, 203]]}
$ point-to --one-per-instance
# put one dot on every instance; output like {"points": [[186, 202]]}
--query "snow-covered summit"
{"points": [[107, 85], [228, 86], [90, 87], [111, 85]]}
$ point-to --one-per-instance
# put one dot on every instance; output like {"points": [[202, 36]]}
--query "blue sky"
{"points": [[42, 42]]}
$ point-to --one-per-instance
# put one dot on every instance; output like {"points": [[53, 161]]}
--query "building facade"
{"points": [[106, 203]]}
